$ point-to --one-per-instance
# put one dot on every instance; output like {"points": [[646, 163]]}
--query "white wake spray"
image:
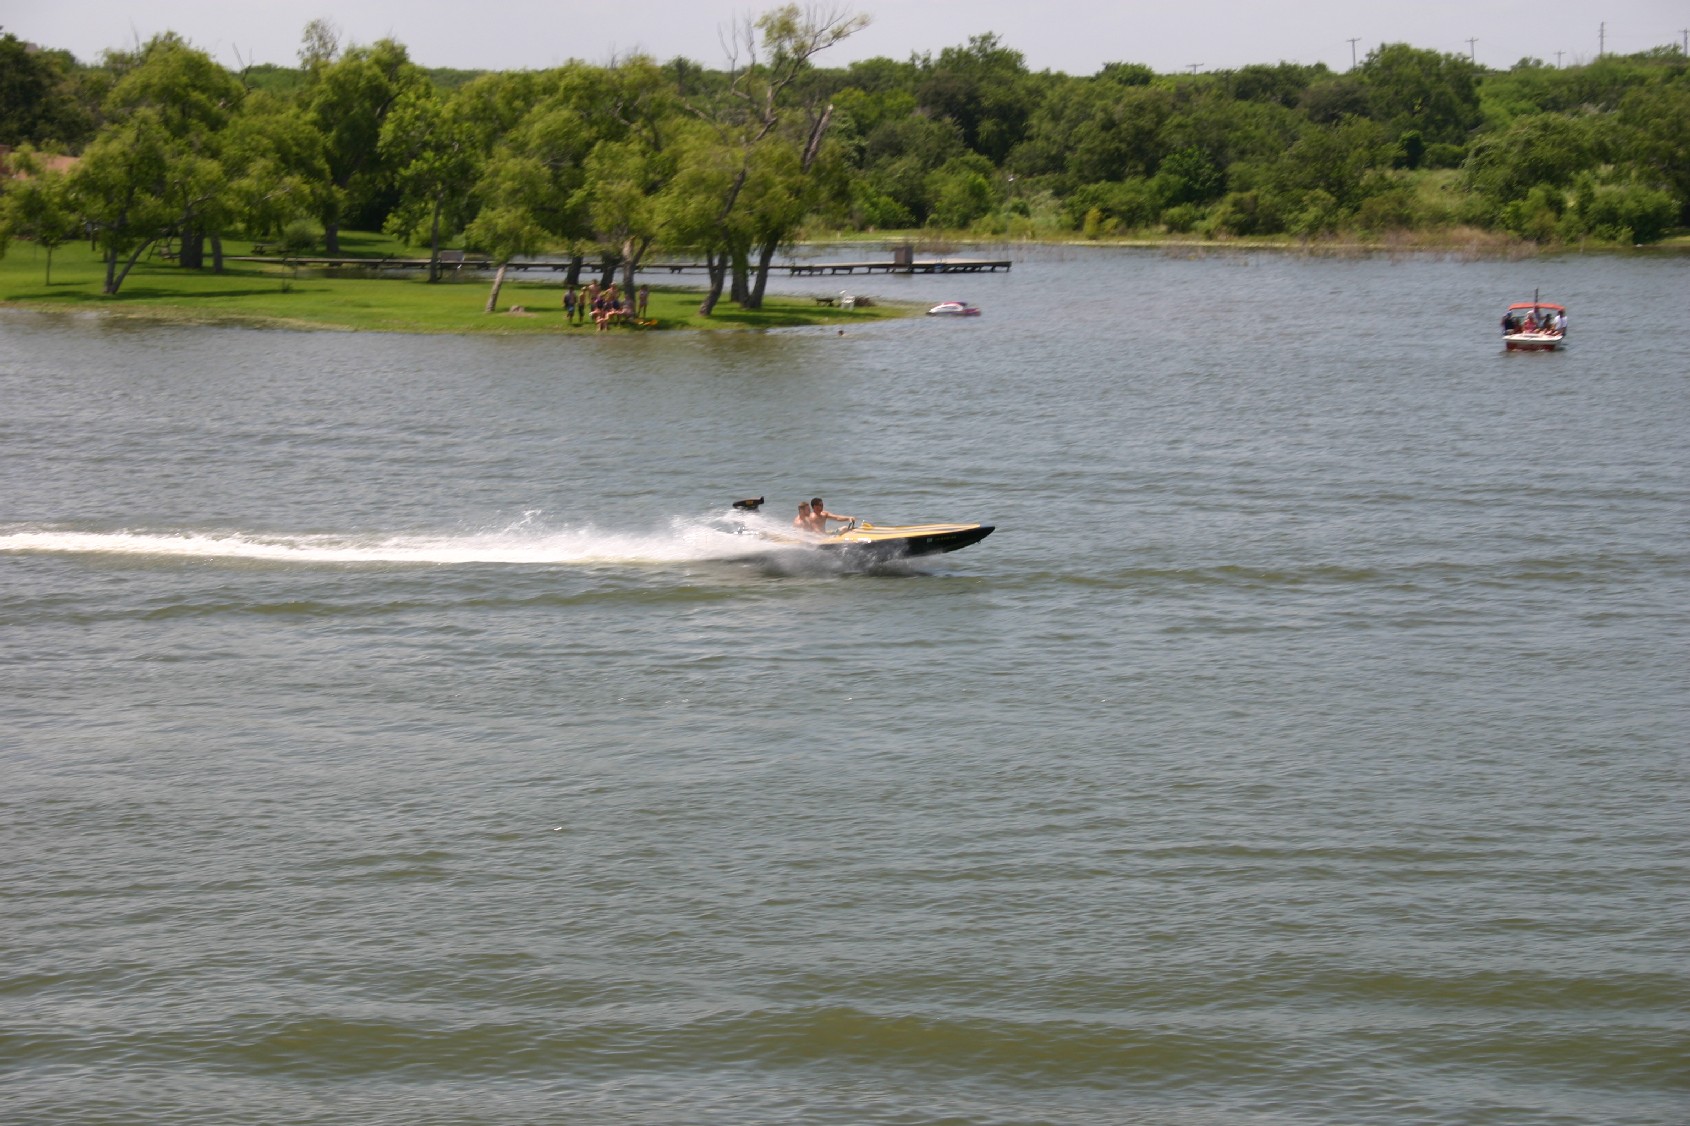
{"points": [[686, 539]]}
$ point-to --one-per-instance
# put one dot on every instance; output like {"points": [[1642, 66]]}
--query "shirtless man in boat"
{"points": [[803, 521], [819, 516]]}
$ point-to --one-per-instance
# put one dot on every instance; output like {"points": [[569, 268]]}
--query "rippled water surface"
{"points": [[391, 733]]}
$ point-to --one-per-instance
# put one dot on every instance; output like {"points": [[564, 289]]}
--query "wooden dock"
{"points": [[591, 269]]}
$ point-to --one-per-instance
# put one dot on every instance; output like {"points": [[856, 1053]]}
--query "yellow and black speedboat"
{"points": [[899, 541], [858, 541]]}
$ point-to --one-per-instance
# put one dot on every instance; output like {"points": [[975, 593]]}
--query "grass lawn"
{"points": [[272, 295]]}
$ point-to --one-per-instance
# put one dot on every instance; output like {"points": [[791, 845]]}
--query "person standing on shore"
{"points": [[568, 304]]}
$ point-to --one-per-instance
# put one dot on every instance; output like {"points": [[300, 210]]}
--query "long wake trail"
{"points": [[685, 540]]}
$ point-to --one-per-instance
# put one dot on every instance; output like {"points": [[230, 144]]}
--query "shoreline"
{"points": [[278, 298], [246, 295]]}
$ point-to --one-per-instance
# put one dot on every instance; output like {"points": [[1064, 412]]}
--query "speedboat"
{"points": [[863, 542], [954, 309], [1534, 326], [878, 542]]}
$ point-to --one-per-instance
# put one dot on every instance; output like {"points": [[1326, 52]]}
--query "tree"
{"points": [[1230, 132], [274, 156], [319, 45], [625, 178], [1548, 149], [1341, 163], [435, 161], [191, 100], [1410, 88], [348, 100], [984, 88], [1189, 176], [541, 166], [38, 96], [1655, 138], [754, 107], [504, 233], [690, 207], [629, 164], [1096, 129], [35, 207], [117, 190], [962, 191]]}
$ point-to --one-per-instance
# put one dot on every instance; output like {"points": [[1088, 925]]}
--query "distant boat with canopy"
{"points": [[1534, 326]]}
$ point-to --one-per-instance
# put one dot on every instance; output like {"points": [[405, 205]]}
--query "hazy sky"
{"points": [[1075, 36]]}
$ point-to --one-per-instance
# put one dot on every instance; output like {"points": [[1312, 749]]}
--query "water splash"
{"points": [[527, 541]]}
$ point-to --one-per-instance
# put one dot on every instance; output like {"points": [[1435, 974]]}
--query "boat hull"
{"points": [[872, 542], [1533, 342]]}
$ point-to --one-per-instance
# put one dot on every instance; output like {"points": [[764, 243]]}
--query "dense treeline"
{"points": [[605, 163]]}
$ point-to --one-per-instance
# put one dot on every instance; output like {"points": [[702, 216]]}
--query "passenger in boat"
{"points": [[1561, 322], [1507, 323], [1531, 323], [802, 521]]}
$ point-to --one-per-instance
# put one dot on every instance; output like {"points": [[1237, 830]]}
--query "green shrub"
{"points": [[1317, 213], [301, 235], [1411, 150], [960, 196], [1391, 210], [1626, 213], [1443, 155], [1132, 202], [1181, 217], [1537, 216], [1243, 213]]}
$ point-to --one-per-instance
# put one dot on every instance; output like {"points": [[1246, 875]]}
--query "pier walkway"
{"points": [[591, 269]]}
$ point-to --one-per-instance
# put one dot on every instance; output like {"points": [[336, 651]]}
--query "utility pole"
{"points": [[1685, 33], [1353, 43], [1558, 55], [1472, 56], [1601, 39], [1194, 67]]}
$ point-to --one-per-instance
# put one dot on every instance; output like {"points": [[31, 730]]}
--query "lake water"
{"points": [[390, 736]]}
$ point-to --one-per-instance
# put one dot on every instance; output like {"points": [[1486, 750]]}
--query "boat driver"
{"points": [[819, 516]]}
